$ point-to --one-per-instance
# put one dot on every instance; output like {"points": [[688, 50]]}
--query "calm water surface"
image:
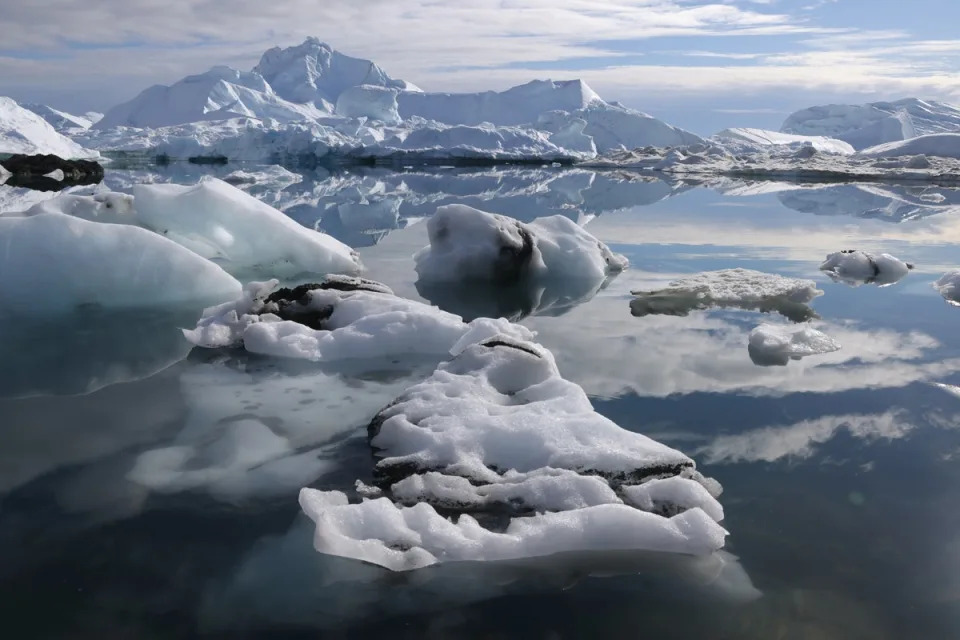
{"points": [[137, 500]]}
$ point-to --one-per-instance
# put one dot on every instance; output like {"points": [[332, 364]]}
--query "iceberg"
{"points": [[497, 428], [24, 132], [308, 103], [219, 94], [875, 123], [772, 344], [730, 288], [467, 244], [759, 138], [314, 73], [56, 263], [855, 267], [337, 319], [941, 145]]}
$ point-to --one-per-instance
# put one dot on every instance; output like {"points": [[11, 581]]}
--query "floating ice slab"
{"points": [[949, 287], [855, 267], [735, 288], [406, 538], [469, 244], [772, 344], [340, 318], [55, 263], [222, 223]]}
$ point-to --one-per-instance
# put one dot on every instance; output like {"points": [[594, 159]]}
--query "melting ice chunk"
{"points": [[855, 267], [468, 244], [949, 287], [772, 344]]}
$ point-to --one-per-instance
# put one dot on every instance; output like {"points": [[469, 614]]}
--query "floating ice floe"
{"points": [[949, 287], [855, 267], [220, 222], [339, 318], [467, 244], [57, 263], [498, 429], [772, 344], [730, 288]]}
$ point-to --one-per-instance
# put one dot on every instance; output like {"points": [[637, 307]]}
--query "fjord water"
{"points": [[150, 491]]}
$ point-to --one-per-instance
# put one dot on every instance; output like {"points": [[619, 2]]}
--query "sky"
{"points": [[700, 64]]}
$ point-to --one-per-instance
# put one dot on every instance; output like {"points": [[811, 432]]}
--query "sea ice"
{"points": [[736, 288], [467, 244], [772, 344], [855, 267], [56, 263], [340, 318]]}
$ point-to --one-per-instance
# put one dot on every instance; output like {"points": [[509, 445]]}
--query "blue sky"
{"points": [[701, 64]]}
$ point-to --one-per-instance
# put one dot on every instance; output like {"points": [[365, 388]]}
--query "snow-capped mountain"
{"points": [[23, 131], [867, 125]]}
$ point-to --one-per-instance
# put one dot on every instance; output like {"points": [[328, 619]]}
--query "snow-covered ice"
{"points": [[61, 120], [406, 538], [57, 263], [736, 288], [340, 318], [23, 131], [467, 244], [855, 267], [497, 427], [774, 344]]}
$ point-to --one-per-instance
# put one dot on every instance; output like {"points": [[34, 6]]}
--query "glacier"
{"points": [[24, 132]]}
